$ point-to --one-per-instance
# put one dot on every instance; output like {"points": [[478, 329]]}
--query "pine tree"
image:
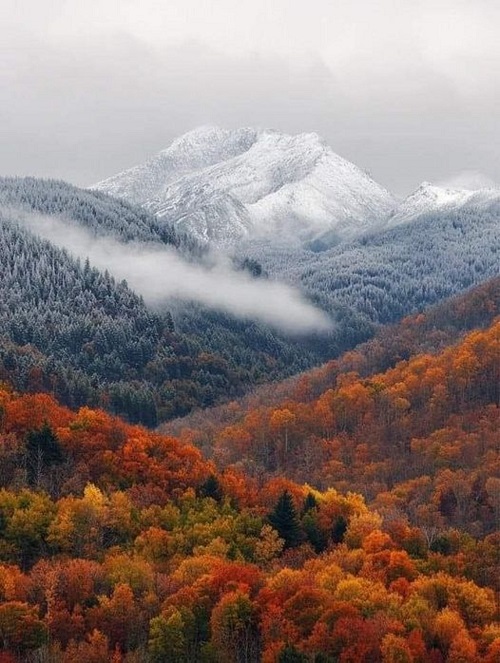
{"points": [[309, 503], [313, 533], [211, 488], [339, 529], [285, 520]]}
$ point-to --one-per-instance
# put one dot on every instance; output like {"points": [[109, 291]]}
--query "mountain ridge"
{"points": [[226, 185], [431, 198]]}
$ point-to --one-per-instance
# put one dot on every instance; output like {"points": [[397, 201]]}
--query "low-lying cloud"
{"points": [[160, 274]]}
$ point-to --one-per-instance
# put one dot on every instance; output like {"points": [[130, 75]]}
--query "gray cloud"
{"points": [[161, 275], [407, 90]]}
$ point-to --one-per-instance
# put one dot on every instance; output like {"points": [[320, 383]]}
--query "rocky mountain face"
{"points": [[223, 186]]}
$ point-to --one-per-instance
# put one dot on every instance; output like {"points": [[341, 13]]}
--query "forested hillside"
{"points": [[99, 213], [118, 544], [438, 326], [378, 279], [71, 330], [384, 276], [421, 438]]}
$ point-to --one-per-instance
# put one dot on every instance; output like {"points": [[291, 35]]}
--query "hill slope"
{"points": [[424, 430], [72, 330], [209, 355], [386, 275], [427, 332]]}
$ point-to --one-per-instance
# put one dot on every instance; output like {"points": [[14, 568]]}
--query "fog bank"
{"points": [[160, 274]]}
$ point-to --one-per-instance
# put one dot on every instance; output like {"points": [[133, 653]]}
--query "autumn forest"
{"points": [[249, 331], [350, 516]]}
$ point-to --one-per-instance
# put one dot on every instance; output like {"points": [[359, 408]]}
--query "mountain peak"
{"points": [[212, 140], [209, 139], [224, 185]]}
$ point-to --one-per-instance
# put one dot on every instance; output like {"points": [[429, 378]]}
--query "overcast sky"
{"points": [[407, 89]]}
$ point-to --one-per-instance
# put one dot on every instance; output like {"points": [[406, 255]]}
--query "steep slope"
{"points": [[425, 430], [223, 185], [210, 355], [71, 330], [99, 213], [92, 340]]}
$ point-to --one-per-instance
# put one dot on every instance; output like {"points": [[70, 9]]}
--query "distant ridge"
{"points": [[429, 198]]}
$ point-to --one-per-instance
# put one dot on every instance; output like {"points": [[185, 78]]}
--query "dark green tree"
{"points": [[339, 529], [211, 488], [309, 503], [285, 520], [291, 655], [313, 533]]}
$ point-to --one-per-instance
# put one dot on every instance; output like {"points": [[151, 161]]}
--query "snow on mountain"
{"points": [[227, 185], [430, 199]]}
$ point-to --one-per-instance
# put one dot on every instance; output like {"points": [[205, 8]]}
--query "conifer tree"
{"points": [[309, 503], [285, 520], [211, 488]]}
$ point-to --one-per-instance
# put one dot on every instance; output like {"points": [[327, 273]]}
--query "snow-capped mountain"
{"points": [[431, 199], [227, 185]]}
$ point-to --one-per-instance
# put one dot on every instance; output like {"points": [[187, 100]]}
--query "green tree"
{"points": [[211, 488], [309, 503], [167, 643], [339, 528], [285, 520], [290, 654], [20, 627], [313, 533]]}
